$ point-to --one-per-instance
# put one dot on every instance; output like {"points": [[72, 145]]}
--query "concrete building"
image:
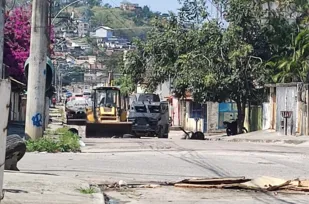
{"points": [[102, 32], [83, 29], [127, 6]]}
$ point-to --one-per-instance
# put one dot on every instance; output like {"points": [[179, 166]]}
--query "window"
{"points": [[154, 109], [106, 97], [196, 110], [140, 109]]}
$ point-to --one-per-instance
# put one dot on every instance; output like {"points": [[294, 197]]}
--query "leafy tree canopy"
{"points": [[212, 62]]}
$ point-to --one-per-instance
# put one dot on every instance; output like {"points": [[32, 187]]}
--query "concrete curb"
{"points": [[295, 142], [50, 188], [98, 197]]}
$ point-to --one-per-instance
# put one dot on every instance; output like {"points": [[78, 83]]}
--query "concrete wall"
{"points": [[16, 107], [175, 111], [266, 116], [212, 116], [163, 90], [255, 121], [190, 123], [103, 33], [5, 93]]}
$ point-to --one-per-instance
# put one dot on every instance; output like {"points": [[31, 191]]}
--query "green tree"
{"points": [[294, 65], [93, 3], [114, 62], [214, 63]]}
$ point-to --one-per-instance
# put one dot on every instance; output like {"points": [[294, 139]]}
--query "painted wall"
{"points": [[266, 116], [5, 93], [212, 116], [255, 120], [163, 90], [103, 33], [190, 123], [175, 111]]}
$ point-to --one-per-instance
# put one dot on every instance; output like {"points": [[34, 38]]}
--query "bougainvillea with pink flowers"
{"points": [[17, 32]]}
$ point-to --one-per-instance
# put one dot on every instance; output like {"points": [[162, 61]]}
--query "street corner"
{"points": [[35, 187]]}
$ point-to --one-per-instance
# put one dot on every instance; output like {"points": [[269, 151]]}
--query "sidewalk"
{"points": [[37, 188], [263, 136]]}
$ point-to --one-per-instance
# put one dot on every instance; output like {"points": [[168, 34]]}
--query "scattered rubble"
{"points": [[263, 183]]}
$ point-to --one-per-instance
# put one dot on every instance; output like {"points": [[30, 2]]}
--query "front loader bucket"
{"points": [[108, 129]]}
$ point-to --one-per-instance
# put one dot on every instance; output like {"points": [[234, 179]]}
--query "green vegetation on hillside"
{"points": [[127, 24]]}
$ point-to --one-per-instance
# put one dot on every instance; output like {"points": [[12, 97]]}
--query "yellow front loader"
{"points": [[108, 115]]}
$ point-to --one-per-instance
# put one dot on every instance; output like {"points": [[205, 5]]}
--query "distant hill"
{"points": [[131, 23]]}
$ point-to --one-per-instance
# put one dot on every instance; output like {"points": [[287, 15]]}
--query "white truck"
{"points": [[76, 109], [149, 115]]}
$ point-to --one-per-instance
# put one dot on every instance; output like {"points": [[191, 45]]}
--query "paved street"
{"points": [[152, 159]]}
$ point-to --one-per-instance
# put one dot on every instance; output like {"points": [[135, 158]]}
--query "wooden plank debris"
{"points": [[263, 183], [215, 181]]}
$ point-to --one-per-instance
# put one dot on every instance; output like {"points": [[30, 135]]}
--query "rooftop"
{"points": [[104, 27]]}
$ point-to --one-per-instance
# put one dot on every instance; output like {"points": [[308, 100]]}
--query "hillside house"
{"points": [[83, 29], [83, 59], [113, 42], [76, 43], [127, 6], [102, 32]]}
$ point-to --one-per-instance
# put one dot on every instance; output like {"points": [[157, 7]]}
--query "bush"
{"points": [[65, 141]]}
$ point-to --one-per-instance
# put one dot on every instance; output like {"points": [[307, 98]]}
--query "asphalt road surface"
{"points": [[158, 160]]}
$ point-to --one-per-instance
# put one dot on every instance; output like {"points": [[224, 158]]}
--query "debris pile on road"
{"points": [[123, 185], [263, 183]]}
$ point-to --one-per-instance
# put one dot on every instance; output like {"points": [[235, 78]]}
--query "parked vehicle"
{"points": [[108, 115], [232, 127], [76, 110], [87, 94], [149, 116]]}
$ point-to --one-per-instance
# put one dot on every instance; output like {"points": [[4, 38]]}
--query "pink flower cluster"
{"points": [[17, 32]]}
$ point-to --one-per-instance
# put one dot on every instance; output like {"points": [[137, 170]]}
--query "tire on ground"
{"points": [[15, 145], [74, 131], [161, 132], [244, 130], [198, 136]]}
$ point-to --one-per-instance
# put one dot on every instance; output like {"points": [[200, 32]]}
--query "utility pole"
{"points": [[2, 11], [35, 113]]}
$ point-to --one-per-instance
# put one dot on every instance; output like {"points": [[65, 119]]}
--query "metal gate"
{"points": [[286, 100]]}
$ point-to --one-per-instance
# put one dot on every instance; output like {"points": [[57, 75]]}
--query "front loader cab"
{"points": [[107, 97], [107, 103]]}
